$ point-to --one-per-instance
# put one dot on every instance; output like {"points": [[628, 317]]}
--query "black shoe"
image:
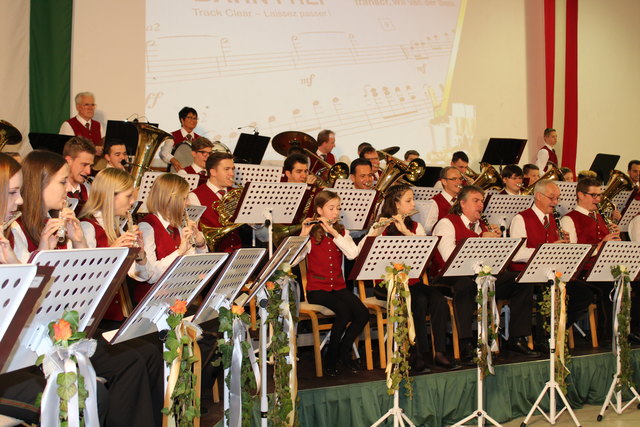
{"points": [[467, 351], [542, 347], [419, 367], [330, 371], [521, 346], [352, 365], [442, 362], [634, 338]]}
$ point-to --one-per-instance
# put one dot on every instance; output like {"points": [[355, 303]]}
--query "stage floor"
{"points": [[444, 397]]}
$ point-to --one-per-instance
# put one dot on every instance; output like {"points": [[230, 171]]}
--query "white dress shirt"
{"points": [[543, 157], [445, 229], [167, 146], [567, 224], [66, 129], [195, 201], [518, 229], [634, 229], [434, 211]]}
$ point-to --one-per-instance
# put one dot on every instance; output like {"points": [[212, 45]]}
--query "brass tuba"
{"points": [[553, 173], [9, 134], [149, 140], [397, 169], [470, 175], [618, 181], [489, 178], [225, 207]]}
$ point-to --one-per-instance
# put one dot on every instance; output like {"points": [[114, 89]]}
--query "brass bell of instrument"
{"points": [[489, 178], [225, 207], [553, 173], [149, 140], [9, 134], [618, 181]]}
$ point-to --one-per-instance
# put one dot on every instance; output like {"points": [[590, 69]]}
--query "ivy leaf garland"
{"points": [[482, 360], [620, 273]]}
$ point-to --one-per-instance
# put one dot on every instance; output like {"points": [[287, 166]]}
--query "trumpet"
{"points": [[130, 225], [388, 221], [14, 216], [185, 223]]}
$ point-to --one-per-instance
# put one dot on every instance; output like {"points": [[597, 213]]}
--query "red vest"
{"points": [[202, 175], [93, 133], [413, 228], [443, 205], [324, 266], [210, 218], [82, 195], [178, 138], [552, 157], [316, 165], [31, 245], [588, 230], [536, 233], [462, 232]]}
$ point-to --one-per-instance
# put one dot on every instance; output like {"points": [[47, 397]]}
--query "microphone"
{"points": [[255, 128]]}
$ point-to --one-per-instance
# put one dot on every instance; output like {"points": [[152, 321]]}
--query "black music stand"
{"points": [[126, 132], [603, 164], [503, 151], [611, 254], [547, 260], [467, 259], [430, 177], [250, 148], [48, 141]]}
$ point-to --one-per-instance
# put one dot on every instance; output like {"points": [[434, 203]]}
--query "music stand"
{"points": [[20, 288], [430, 177], [630, 212], [48, 141], [603, 164], [375, 256], [250, 148], [568, 196], [245, 173], [503, 151], [425, 193], [469, 255], [614, 253], [125, 131], [81, 280], [501, 208], [150, 177], [195, 212], [343, 184], [356, 207], [547, 260]]}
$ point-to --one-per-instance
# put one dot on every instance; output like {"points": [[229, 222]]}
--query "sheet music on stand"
{"points": [[195, 212], [621, 199], [568, 198], [21, 286], [182, 280], [283, 199], [611, 254], [631, 211], [567, 258], [343, 184], [425, 193], [255, 173], [150, 177], [423, 207], [501, 208], [238, 269], [496, 252], [81, 278], [378, 251], [356, 207]]}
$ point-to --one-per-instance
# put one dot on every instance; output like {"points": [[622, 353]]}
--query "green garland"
{"points": [[398, 273], [624, 377], [482, 359], [561, 371], [247, 379], [281, 402]]}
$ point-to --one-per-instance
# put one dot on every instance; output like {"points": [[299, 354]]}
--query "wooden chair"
{"points": [[593, 325], [315, 313], [501, 303]]}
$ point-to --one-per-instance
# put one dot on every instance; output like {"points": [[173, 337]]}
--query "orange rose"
{"points": [[237, 310], [398, 266], [558, 274], [270, 286], [62, 330], [180, 307]]}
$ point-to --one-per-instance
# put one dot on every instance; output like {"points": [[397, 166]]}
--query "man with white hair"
{"points": [[83, 124]]}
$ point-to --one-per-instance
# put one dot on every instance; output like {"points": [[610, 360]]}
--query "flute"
{"points": [[14, 216], [385, 222], [185, 221], [61, 234], [130, 225]]}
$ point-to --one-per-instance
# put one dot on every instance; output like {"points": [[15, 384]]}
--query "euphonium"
{"points": [[470, 175], [396, 169], [328, 175], [619, 181], [488, 179], [225, 207], [553, 173], [149, 140], [9, 134]]}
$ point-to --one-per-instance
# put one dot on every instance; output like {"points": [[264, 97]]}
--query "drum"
{"points": [[183, 154]]}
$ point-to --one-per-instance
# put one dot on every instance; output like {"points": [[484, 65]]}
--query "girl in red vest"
{"points": [[44, 192], [425, 300], [10, 201], [112, 195], [328, 246]]}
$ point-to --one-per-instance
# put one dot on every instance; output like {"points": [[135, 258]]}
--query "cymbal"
{"points": [[284, 141], [391, 150]]}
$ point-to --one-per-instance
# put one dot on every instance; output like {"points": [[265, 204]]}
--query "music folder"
{"points": [[48, 141], [503, 151], [603, 164], [250, 148], [126, 132]]}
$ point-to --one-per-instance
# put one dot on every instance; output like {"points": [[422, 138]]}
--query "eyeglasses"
{"points": [[204, 153], [457, 178], [594, 195], [191, 117], [553, 199]]}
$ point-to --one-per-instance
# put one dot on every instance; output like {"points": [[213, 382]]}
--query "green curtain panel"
{"points": [[445, 398], [50, 64]]}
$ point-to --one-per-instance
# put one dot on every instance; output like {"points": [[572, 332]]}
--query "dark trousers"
{"points": [[520, 296], [427, 300], [349, 310]]}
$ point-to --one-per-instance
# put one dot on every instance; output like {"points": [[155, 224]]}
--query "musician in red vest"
{"points": [[531, 174], [452, 182], [221, 172], [79, 153], [188, 120], [460, 161], [548, 153], [10, 202], [326, 143], [463, 222], [83, 124], [370, 153], [538, 225], [512, 180], [200, 150], [115, 151], [361, 173]]}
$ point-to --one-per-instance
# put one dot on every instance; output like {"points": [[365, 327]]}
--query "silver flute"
{"points": [[14, 216], [130, 225], [185, 223]]}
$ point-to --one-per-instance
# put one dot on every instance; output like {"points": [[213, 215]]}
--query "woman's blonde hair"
{"points": [[107, 184], [167, 197]]}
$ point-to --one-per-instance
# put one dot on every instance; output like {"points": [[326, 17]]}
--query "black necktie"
{"points": [[88, 126], [545, 223], [472, 226]]}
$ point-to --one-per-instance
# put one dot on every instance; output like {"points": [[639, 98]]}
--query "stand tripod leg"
{"points": [[566, 406]]}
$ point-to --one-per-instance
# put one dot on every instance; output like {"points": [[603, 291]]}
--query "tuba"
{"points": [[470, 175], [618, 181], [553, 173], [397, 169], [225, 207], [149, 140], [489, 178], [9, 134]]}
